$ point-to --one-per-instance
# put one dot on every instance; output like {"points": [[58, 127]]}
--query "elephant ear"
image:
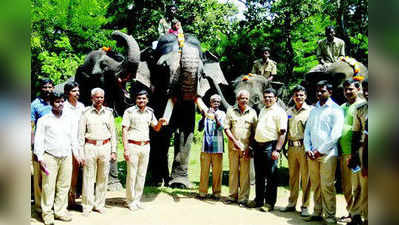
{"points": [[213, 71], [143, 74]]}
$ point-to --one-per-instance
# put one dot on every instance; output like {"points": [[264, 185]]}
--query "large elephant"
{"points": [[109, 70], [336, 73], [255, 85], [176, 74]]}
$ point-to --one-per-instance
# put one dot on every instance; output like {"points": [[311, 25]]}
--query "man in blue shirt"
{"points": [[39, 107], [323, 129]]}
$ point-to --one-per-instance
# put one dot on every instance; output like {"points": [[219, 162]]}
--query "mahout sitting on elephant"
{"points": [[336, 74]]}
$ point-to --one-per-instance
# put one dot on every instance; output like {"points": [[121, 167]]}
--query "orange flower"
{"points": [[359, 78], [251, 75], [107, 49]]}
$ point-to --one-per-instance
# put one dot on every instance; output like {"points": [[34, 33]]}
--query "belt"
{"points": [[295, 143], [98, 142], [138, 142]]}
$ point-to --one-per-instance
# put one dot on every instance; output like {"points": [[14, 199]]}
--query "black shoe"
{"points": [[288, 209], [254, 204], [243, 204], [313, 218], [356, 220], [199, 197], [229, 201], [267, 208]]}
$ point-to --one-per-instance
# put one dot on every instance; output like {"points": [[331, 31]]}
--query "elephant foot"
{"points": [[115, 187], [180, 182]]}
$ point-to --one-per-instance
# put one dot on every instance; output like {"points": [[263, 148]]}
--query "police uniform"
{"points": [[242, 126], [137, 123], [328, 52], [97, 139], [297, 162], [264, 68], [359, 182]]}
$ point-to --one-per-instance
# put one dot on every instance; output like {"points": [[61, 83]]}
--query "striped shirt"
{"points": [[213, 134]]}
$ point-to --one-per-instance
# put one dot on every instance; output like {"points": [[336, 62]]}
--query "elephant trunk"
{"points": [[226, 105], [133, 54]]}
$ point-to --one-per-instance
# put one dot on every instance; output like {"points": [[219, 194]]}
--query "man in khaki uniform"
{"points": [[136, 143], [97, 140], [329, 50], [297, 162], [269, 139], [265, 66], [240, 128], [55, 140], [359, 182]]}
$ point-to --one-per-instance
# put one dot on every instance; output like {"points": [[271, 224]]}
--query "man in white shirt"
{"points": [[74, 109], [322, 132], [54, 143]]}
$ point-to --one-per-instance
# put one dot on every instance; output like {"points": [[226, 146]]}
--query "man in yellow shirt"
{"points": [[269, 139]]}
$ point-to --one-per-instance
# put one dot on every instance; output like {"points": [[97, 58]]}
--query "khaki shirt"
{"points": [[271, 121], [240, 125], [265, 69], [97, 125], [138, 123], [163, 27], [297, 121], [360, 118], [329, 52]]}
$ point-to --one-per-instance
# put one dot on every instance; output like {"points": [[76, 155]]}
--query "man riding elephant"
{"points": [[329, 50], [265, 66]]}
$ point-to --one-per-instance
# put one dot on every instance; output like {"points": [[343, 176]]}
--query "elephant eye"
{"points": [[103, 66]]}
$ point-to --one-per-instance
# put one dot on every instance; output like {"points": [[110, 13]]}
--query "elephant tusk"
{"points": [[201, 105], [168, 110]]}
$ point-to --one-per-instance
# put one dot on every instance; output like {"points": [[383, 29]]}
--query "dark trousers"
{"points": [[265, 174]]}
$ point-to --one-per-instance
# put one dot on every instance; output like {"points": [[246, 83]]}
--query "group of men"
{"points": [[67, 135], [318, 138]]}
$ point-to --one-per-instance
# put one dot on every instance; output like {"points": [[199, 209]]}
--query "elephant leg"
{"points": [[183, 138], [113, 181], [159, 165]]}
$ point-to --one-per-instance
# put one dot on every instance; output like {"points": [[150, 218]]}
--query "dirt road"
{"points": [[184, 209]]}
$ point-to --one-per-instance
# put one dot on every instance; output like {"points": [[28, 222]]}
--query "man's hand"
{"points": [[317, 154], [310, 155], [83, 162], [77, 158], [275, 155], [246, 154], [238, 146], [353, 161], [126, 155], [113, 156], [163, 121]]}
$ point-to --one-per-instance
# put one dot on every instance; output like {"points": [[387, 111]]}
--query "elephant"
{"points": [[176, 75], [336, 73], [109, 70], [255, 85]]}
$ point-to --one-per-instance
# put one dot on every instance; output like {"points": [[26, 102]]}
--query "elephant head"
{"points": [[109, 70], [336, 74], [255, 85]]}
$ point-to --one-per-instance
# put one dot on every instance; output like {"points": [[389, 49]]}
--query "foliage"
{"points": [[64, 31]]}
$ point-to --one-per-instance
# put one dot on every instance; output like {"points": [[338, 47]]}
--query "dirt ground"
{"points": [[184, 208]]}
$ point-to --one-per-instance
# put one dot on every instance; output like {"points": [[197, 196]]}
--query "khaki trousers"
{"points": [[359, 193], [95, 171], [56, 184], [74, 182], [238, 177], [346, 180], [208, 159], [136, 172], [299, 174], [37, 183], [322, 180]]}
